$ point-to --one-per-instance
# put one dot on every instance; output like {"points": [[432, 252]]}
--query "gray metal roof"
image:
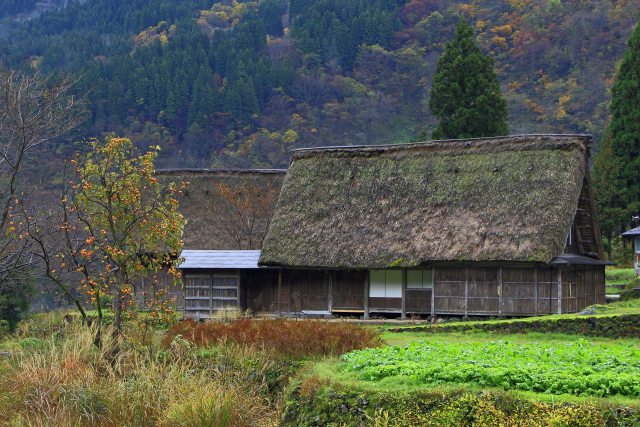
{"points": [[200, 259], [632, 232], [571, 259]]}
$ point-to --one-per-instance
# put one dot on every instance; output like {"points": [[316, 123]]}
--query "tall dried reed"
{"points": [[66, 380]]}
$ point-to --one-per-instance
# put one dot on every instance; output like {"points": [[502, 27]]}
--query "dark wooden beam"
{"points": [[367, 280], [559, 290], [433, 293], [403, 314], [279, 293], [535, 291], [466, 290]]}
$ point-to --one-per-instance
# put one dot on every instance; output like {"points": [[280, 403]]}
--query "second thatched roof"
{"points": [[214, 224], [497, 199]]}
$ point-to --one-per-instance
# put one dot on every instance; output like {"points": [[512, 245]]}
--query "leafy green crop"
{"points": [[580, 368]]}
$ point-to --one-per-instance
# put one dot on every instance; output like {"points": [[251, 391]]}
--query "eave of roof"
{"points": [[632, 232], [571, 259]]}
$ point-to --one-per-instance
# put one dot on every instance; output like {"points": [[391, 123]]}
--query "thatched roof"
{"points": [[497, 199], [209, 216]]}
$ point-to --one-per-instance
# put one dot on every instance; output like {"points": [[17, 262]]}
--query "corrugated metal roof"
{"points": [[632, 232], [201, 259]]}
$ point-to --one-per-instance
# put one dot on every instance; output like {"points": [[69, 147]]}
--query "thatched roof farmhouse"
{"points": [[494, 226]]}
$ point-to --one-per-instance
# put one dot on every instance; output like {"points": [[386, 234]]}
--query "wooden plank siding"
{"points": [[465, 290]]}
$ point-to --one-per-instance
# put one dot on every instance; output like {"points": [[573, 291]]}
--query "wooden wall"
{"points": [[457, 290], [300, 291], [518, 291]]}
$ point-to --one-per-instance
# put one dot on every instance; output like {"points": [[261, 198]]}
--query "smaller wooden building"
{"points": [[216, 280], [634, 234]]}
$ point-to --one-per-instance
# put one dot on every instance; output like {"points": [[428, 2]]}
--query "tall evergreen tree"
{"points": [[625, 127], [607, 186], [465, 93]]}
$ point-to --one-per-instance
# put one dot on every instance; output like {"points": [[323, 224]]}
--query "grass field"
{"points": [[619, 275], [539, 366]]}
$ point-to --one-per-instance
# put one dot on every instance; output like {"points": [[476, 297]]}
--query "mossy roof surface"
{"points": [[498, 199]]}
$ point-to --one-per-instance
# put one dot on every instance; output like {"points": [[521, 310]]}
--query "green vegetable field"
{"points": [[579, 368]]}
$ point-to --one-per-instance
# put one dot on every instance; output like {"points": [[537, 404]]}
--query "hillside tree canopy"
{"points": [[465, 93]]}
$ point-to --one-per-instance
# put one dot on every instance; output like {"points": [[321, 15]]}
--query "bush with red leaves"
{"points": [[289, 338]]}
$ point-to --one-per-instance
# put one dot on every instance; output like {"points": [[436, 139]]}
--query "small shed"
{"points": [[218, 280], [635, 235]]}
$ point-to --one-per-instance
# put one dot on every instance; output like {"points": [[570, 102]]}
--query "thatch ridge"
{"points": [[489, 199], [496, 139]]}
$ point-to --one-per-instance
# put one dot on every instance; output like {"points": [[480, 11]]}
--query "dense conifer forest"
{"points": [[240, 83]]}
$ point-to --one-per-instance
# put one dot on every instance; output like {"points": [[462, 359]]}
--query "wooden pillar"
{"points": [[535, 290], [330, 301], [403, 314], [367, 280], [433, 293], [500, 291], [211, 294], [466, 290], [559, 290], [584, 287], [280, 293], [238, 290]]}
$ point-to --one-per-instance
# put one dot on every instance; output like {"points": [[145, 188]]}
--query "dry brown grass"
{"points": [[67, 381], [289, 338]]}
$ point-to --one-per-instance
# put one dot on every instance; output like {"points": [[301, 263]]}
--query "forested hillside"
{"points": [[238, 84]]}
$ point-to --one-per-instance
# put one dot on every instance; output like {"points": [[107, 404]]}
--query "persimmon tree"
{"points": [[116, 226]]}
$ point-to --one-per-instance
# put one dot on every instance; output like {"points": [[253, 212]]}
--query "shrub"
{"points": [[66, 380], [220, 407], [16, 292], [615, 326], [289, 338], [338, 405]]}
